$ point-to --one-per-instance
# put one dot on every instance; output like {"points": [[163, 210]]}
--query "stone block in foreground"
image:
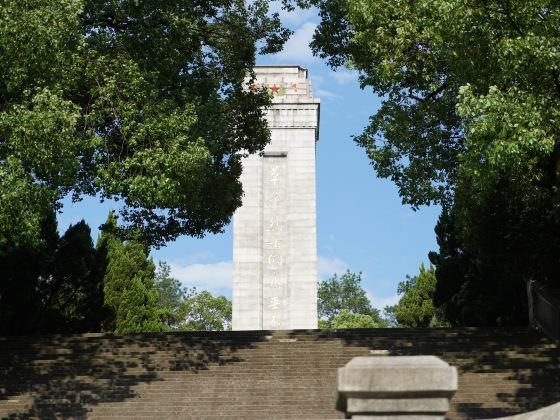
{"points": [[396, 387]]}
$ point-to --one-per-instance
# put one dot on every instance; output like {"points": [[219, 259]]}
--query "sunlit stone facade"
{"points": [[274, 233]]}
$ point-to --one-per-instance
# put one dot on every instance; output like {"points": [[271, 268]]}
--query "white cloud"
{"points": [[325, 94], [317, 83], [297, 49], [343, 77], [295, 17], [380, 302], [216, 277], [326, 266]]}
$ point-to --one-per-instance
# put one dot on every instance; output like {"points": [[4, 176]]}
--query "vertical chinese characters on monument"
{"points": [[275, 272]]}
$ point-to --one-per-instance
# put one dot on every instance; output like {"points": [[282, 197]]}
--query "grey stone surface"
{"points": [[274, 231], [383, 405], [396, 386]]}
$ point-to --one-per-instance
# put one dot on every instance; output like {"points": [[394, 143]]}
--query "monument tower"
{"points": [[274, 231]]}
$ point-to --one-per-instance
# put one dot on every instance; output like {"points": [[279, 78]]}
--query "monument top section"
{"points": [[288, 84]]}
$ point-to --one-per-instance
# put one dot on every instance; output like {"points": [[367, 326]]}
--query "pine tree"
{"points": [[74, 303], [129, 284]]}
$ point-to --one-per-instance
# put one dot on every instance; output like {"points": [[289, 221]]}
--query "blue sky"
{"points": [[361, 223]]}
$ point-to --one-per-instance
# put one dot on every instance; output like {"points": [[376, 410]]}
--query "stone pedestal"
{"points": [[274, 231], [396, 387]]}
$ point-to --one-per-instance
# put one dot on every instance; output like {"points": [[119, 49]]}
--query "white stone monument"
{"points": [[274, 231]]}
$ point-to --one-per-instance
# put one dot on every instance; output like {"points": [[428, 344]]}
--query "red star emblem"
{"points": [[294, 87], [274, 88], [254, 87]]}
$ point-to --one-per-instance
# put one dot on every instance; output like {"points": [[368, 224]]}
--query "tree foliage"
{"points": [[469, 120], [128, 284], [208, 313], [172, 297], [76, 302], [52, 285], [415, 308], [143, 300], [441, 66], [343, 303], [66, 285], [186, 309], [139, 101], [346, 319]]}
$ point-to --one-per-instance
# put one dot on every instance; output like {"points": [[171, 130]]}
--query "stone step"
{"points": [[286, 374]]}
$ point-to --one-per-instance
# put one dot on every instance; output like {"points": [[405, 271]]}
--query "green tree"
{"points": [[145, 102], [208, 313], [347, 319], [172, 297], [68, 286], [470, 109], [483, 282], [128, 284], [439, 67], [186, 309], [415, 308], [52, 285], [25, 275], [343, 299], [75, 301]]}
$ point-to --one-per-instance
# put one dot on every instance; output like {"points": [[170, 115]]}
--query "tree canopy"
{"points": [[416, 308], [465, 85], [346, 319], [66, 285], [208, 313], [469, 120], [343, 303], [138, 101], [128, 284], [53, 287]]}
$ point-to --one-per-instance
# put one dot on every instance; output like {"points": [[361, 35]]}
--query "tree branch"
{"points": [[430, 96]]}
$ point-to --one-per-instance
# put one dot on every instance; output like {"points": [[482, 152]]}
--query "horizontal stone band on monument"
{"points": [[275, 154]]}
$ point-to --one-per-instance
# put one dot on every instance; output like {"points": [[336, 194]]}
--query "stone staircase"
{"points": [[259, 374]]}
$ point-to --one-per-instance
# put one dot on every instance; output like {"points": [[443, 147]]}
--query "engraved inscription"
{"points": [[274, 269]]}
